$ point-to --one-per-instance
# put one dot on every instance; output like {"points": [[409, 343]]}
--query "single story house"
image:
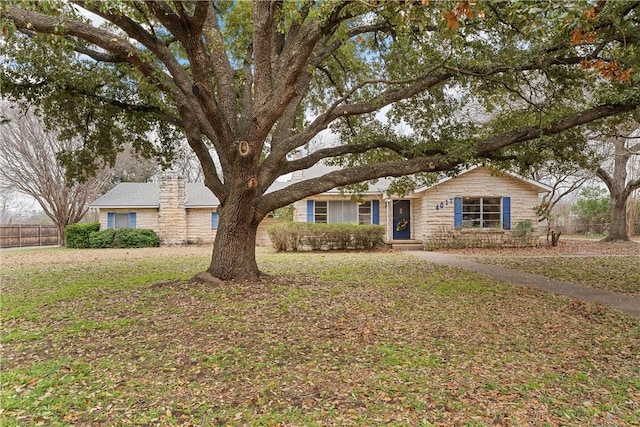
{"points": [[479, 200], [180, 212]]}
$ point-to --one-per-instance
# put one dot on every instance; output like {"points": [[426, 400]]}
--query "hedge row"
{"points": [[124, 238], [522, 235], [88, 235], [298, 236], [77, 235]]}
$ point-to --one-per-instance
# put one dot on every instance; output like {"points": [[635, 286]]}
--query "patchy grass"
{"points": [[613, 273], [329, 339]]}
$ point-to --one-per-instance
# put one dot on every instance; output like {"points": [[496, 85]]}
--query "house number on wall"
{"points": [[441, 205]]}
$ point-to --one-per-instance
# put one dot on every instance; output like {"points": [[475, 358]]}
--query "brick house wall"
{"points": [[432, 209], [480, 182], [199, 225], [145, 217]]}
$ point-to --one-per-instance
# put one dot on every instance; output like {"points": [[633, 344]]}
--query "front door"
{"points": [[401, 219]]}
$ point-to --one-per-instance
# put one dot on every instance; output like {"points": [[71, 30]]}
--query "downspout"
{"points": [[389, 219]]}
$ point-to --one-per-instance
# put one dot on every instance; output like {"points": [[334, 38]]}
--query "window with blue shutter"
{"points": [[375, 212], [310, 209], [111, 220], [506, 213], [117, 221], [457, 213], [214, 220]]}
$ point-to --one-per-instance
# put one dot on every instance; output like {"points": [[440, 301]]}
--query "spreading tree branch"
{"points": [[483, 148]]}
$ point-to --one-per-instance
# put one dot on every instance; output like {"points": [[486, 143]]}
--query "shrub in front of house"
{"points": [[522, 235], [135, 238], [297, 236], [124, 238], [285, 237], [77, 235], [102, 239], [368, 236]]}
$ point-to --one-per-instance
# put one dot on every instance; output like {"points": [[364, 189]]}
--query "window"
{"points": [[481, 212], [320, 212], [364, 213], [121, 220], [214, 220], [343, 211]]}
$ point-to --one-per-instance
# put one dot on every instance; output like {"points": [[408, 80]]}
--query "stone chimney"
{"points": [[172, 215]]}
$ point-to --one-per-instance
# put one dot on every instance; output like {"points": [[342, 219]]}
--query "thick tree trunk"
{"points": [[234, 249], [62, 240], [618, 226]]}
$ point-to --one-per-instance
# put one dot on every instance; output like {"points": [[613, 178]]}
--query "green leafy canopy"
{"points": [[411, 86]]}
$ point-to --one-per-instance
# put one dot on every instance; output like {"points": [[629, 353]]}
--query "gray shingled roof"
{"points": [[130, 195], [199, 196], [146, 195], [379, 186]]}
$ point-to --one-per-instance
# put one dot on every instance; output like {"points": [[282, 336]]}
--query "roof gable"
{"points": [[538, 186]]}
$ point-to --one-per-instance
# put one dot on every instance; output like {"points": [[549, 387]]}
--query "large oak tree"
{"points": [[254, 83], [622, 149]]}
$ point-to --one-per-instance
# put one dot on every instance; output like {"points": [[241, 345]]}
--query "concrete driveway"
{"points": [[628, 304]]}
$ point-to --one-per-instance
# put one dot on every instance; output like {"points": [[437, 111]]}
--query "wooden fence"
{"points": [[23, 235]]}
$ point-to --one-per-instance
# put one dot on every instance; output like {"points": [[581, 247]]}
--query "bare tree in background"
{"points": [[11, 210], [28, 165], [187, 165], [564, 178], [130, 167]]}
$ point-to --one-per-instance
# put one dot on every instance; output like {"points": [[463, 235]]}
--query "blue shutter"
{"points": [[132, 220], [310, 209], [111, 220], [375, 212], [457, 213], [214, 220], [506, 213]]}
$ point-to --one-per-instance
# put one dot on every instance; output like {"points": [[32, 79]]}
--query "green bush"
{"points": [[285, 236], [135, 238], [295, 236], [77, 235], [102, 239], [522, 233], [368, 237], [124, 238], [523, 229]]}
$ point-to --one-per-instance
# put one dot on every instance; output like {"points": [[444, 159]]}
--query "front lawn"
{"points": [[328, 339]]}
